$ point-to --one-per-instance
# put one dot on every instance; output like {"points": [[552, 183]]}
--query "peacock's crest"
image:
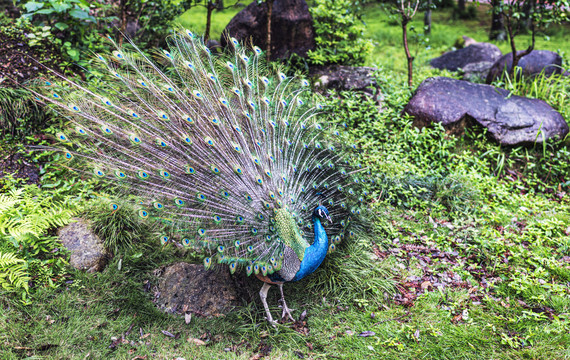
{"points": [[231, 157]]}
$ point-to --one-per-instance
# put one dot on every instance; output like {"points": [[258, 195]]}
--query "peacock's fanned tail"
{"points": [[212, 145]]}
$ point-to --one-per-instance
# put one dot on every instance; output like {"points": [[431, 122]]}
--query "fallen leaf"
{"points": [[167, 333], [367, 333], [197, 342]]}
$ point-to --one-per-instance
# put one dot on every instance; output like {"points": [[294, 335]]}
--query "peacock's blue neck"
{"points": [[314, 254]]}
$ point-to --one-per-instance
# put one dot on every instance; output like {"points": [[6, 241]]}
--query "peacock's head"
{"points": [[321, 212]]}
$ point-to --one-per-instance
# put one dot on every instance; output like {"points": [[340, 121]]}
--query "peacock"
{"points": [[229, 155]]}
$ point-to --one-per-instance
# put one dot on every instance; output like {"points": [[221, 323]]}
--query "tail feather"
{"points": [[211, 145]]}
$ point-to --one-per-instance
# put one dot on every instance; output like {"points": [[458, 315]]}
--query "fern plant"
{"points": [[29, 253]]}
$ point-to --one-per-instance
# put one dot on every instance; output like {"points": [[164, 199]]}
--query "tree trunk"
{"points": [[123, 16], [269, 14], [461, 6], [220, 5], [409, 57], [209, 8], [427, 19], [497, 25]]}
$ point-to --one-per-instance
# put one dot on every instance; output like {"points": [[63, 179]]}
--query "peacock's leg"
{"points": [[263, 296], [286, 310]]}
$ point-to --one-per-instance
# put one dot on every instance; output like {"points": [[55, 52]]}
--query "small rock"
{"points": [[189, 288], [458, 59], [86, 248], [531, 64]]}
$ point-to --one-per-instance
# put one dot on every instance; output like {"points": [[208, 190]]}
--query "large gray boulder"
{"points": [[291, 27], [531, 64], [510, 120], [86, 248], [458, 59]]}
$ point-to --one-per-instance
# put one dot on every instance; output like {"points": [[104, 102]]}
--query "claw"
{"points": [[286, 311]]}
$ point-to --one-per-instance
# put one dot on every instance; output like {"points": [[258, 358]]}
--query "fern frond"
{"points": [[13, 274]]}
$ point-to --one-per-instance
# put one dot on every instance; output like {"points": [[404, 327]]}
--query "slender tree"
{"points": [[407, 10], [269, 14]]}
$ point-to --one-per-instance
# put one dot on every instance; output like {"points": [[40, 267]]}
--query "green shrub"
{"points": [[338, 34]]}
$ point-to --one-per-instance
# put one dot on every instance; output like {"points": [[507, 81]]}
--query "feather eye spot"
{"points": [[259, 180], [186, 242], [212, 77], [179, 202], [282, 76], [99, 173], [106, 130], [257, 50], [215, 169], [254, 231], [119, 174], [61, 137], [250, 248], [190, 66], [197, 94], [304, 82], [164, 240], [207, 263], [230, 66], [188, 140], [238, 170], [245, 59], [142, 175], [268, 173], [68, 156], [236, 91], [217, 219], [224, 102], [161, 142], [201, 232], [265, 80], [157, 205], [143, 214], [134, 139], [283, 103], [248, 197], [319, 107], [209, 141], [239, 219], [118, 55], [113, 207], [266, 101], [201, 197]]}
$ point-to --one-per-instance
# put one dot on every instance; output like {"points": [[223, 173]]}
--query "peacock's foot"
{"points": [[286, 312]]}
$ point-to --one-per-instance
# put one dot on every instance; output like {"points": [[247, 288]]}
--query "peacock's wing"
{"points": [[212, 147]]}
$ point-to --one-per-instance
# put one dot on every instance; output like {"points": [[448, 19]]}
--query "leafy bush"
{"points": [[20, 114], [338, 34]]}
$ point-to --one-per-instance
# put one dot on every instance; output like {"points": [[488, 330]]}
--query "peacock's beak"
{"points": [[329, 218]]}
